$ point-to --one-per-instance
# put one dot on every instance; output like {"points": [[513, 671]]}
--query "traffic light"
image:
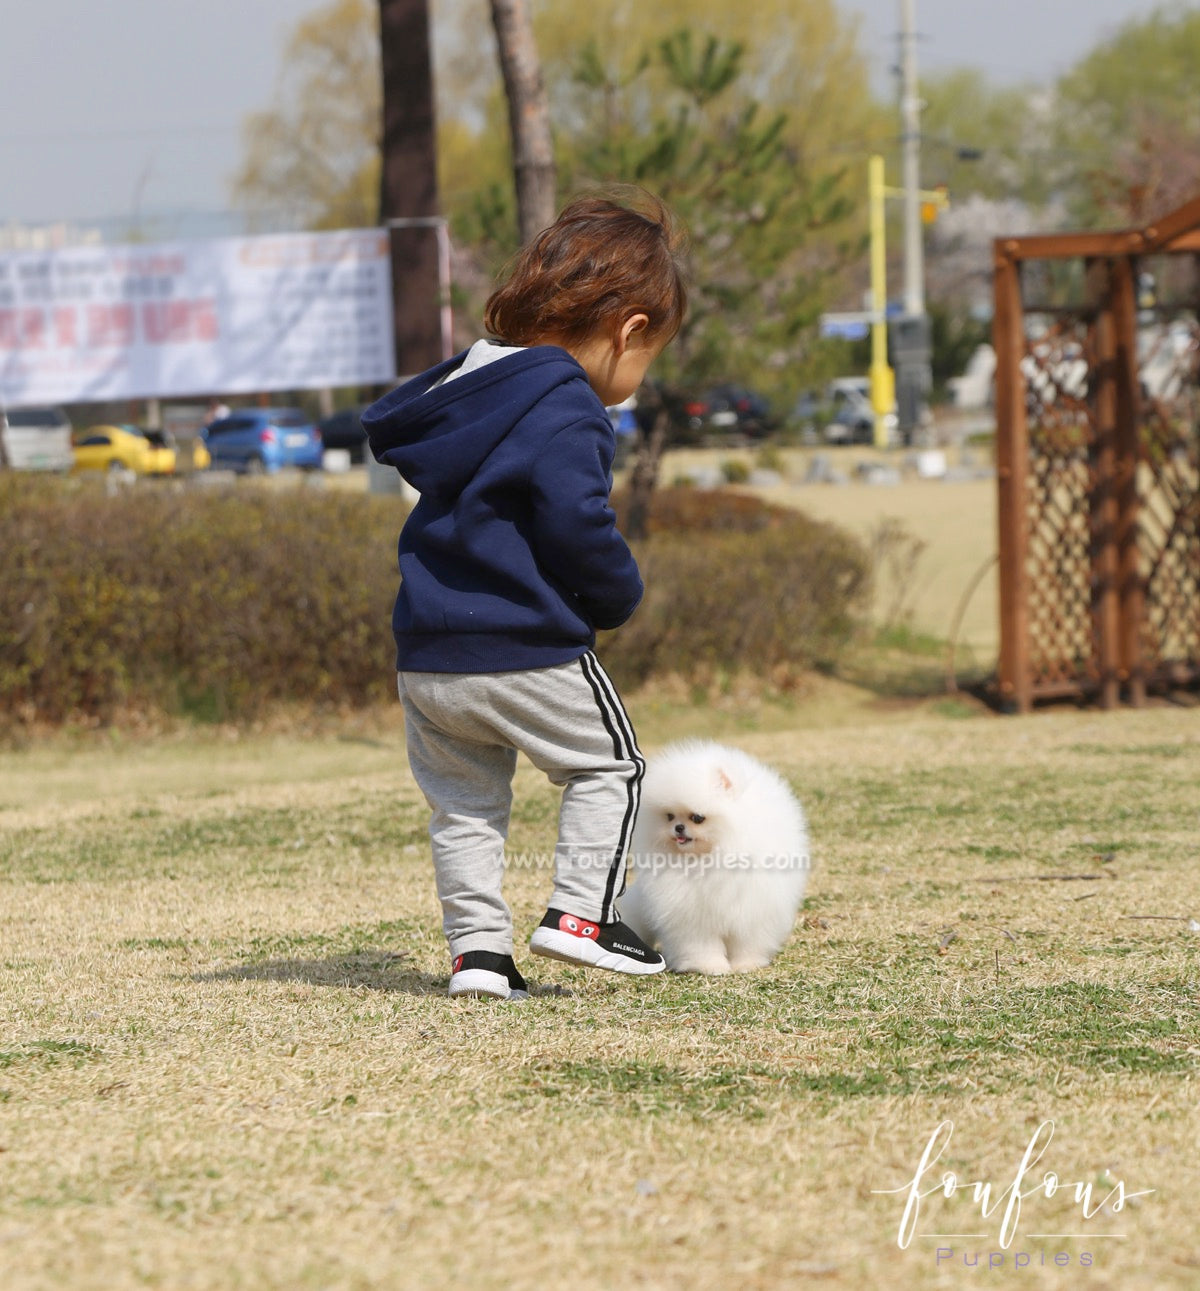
{"points": [[933, 203]]}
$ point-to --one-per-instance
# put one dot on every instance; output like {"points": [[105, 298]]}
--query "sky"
{"points": [[120, 114], [1010, 41]]}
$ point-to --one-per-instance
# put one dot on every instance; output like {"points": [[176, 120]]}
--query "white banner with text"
{"points": [[293, 311]]}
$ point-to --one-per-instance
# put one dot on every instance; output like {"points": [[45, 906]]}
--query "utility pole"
{"points": [[910, 118], [911, 349]]}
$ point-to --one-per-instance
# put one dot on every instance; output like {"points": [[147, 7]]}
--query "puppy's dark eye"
{"points": [[696, 818], [670, 815]]}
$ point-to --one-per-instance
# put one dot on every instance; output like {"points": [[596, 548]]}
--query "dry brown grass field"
{"points": [[227, 1059]]}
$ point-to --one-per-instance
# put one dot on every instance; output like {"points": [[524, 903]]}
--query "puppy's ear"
{"points": [[725, 782]]}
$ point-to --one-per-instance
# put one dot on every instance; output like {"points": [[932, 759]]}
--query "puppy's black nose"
{"points": [[680, 828]]}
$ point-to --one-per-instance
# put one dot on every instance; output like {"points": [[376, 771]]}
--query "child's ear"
{"points": [[633, 328]]}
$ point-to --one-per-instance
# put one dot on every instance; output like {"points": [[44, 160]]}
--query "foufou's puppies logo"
{"points": [[1006, 1204]]}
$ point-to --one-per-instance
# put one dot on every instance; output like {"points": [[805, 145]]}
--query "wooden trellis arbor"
{"points": [[1097, 339]]}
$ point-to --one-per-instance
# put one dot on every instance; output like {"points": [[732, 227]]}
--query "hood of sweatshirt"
{"points": [[438, 436]]}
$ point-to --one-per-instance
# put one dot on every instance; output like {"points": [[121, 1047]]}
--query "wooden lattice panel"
{"points": [[1097, 338], [1062, 640], [1169, 543], [1059, 555]]}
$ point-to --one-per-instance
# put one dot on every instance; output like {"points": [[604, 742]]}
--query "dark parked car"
{"points": [[725, 409], [257, 441], [344, 429], [734, 408]]}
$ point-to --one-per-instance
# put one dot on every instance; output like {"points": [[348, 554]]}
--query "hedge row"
{"points": [[733, 584], [219, 604]]}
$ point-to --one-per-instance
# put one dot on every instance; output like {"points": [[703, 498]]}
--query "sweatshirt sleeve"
{"points": [[575, 529]]}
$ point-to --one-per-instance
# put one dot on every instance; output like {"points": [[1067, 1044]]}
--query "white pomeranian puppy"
{"points": [[718, 861]]}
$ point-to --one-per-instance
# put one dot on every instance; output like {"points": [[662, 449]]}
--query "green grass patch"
{"points": [[49, 1053], [652, 1089]]}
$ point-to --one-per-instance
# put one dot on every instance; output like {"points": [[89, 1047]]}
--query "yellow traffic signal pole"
{"points": [[883, 379]]}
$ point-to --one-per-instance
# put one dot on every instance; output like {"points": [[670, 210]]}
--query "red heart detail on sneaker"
{"points": [[578, 927], [457, 963]]}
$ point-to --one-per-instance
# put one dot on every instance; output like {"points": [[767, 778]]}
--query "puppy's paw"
{"points": [[711, 965], [748, 963]]}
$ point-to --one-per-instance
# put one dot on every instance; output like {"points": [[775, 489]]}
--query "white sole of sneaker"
{"points": [[550, 943], [478, 981]]}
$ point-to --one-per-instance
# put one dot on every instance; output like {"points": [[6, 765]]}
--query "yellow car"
{"points": [[113, 448]]}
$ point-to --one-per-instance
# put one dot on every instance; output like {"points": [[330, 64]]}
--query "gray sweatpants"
{"points": [[464, 731]]}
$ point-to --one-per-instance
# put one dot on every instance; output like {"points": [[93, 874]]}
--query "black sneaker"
{"points": [[483, 972], [614, 946]]}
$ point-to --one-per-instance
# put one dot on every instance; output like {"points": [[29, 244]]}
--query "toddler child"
{"points": [[509, 563]]}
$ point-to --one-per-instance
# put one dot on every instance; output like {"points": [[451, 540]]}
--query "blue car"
{"points": [[261, 441]]}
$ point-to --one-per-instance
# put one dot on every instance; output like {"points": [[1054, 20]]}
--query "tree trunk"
{"points": [[653, 426], [528, 117], [408, 192]]}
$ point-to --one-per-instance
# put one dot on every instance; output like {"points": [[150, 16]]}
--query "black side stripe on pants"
{"points": [[619, 727]]}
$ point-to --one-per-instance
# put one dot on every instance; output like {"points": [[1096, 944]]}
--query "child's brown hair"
{"points": [[599, 262]]}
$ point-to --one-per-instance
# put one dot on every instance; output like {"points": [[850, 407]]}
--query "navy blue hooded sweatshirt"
{"points": [[511, 559]]}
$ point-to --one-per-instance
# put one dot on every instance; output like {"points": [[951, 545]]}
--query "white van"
{"points": [[36, 439], [849, 414]]}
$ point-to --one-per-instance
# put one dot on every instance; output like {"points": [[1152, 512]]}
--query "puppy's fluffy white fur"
{"points": [[718, 862]]}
